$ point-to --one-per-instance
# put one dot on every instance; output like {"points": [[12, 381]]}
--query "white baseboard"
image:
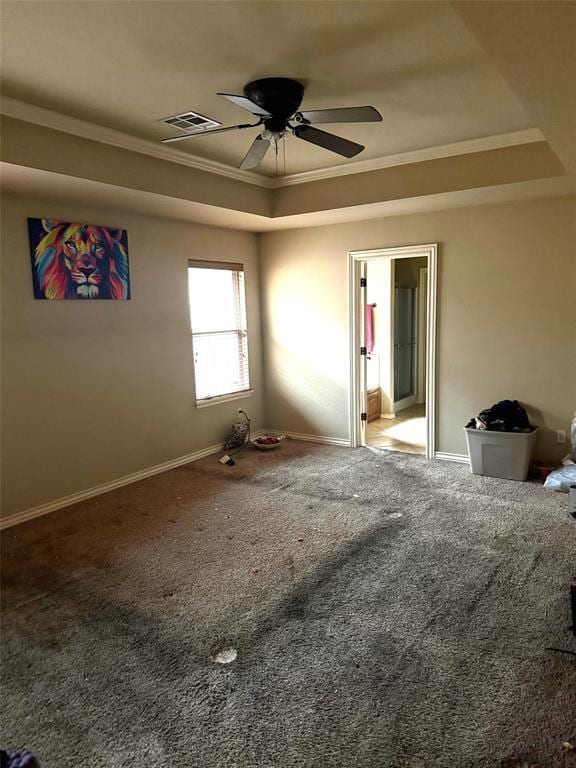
{"points": [[312, 438], [400, 405], [98, 490], [387, 415], [461, 458]]}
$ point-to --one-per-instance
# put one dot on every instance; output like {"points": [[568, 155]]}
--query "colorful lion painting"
{"points": [[78, 261]]}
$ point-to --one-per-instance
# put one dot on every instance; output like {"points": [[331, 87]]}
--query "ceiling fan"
{"points": [[275, 102]]}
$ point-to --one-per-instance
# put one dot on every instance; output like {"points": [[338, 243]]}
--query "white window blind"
{"points": [[219, 331]]}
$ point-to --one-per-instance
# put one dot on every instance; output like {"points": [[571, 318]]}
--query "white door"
{"points": [[363, 361]]}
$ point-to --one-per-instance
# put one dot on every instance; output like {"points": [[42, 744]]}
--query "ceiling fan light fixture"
{"points": [[273, 136]]}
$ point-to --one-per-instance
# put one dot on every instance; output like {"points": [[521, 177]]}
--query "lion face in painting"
{"points": [[80, 261]]}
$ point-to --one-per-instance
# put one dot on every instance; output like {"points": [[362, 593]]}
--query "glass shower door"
{"points": [[404, 343]]}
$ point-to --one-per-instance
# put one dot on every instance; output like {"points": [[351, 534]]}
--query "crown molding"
{"points": [[497, 141], [63, 189], [47, 118], [58, 121]]}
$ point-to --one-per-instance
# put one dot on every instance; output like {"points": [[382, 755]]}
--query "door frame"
{"points": [[421, 314], [357, 395]]}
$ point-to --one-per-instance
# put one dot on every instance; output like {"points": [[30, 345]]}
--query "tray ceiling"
{"points": [[126, 65]]}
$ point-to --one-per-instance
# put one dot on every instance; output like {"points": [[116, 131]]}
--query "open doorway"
{"points": [[393, 296]]}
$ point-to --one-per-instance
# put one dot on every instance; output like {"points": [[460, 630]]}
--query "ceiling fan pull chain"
{"points": [[276, 153]]}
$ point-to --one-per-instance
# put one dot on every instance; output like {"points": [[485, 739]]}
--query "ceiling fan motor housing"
{"points": [[280, 96]]}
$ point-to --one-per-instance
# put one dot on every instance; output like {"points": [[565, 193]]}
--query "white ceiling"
{"points": [[127, 64]]}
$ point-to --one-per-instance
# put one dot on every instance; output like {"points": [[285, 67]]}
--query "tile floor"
{"points": [[405, 433]]}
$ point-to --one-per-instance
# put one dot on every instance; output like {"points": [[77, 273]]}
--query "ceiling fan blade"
{"points": [[185, 136], [244, 103], [255, 154], [342, 115], [327, 140]]}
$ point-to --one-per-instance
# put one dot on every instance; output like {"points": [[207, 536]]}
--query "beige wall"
{"points": [[506, 316], [35, 146], [97, 391], [94, 391], [488, 168]]}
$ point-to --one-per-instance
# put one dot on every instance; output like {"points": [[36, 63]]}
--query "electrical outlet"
{"points": [[560, 435]]}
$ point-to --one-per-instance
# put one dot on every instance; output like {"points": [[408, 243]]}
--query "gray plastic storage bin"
{"points": [[500, 454]]}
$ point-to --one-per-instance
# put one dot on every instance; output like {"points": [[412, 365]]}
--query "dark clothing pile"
{"points": [[21, 759], [505, 416]]}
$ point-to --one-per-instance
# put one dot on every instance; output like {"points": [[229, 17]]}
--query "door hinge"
{"points": [[363, 282], [362, 350], [363, 417]]}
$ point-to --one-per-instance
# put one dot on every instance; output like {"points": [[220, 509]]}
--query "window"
{"points": [[219, 332]]}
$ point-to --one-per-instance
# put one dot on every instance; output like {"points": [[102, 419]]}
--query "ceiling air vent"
{"points": [[190, 122]]}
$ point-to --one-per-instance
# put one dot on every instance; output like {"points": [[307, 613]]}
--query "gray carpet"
{"points": [[387, 611]]}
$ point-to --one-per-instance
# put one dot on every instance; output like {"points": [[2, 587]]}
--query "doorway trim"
{"points": [[356, 319], [421, 313]]}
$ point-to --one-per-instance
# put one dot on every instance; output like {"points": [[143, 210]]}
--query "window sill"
{"points": [[224, 398]]}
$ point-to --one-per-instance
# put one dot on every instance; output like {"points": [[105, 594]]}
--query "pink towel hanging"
{"points": [[369, 328]]}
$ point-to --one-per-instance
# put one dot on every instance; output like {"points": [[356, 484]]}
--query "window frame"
{"points": [[242, 332]]}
